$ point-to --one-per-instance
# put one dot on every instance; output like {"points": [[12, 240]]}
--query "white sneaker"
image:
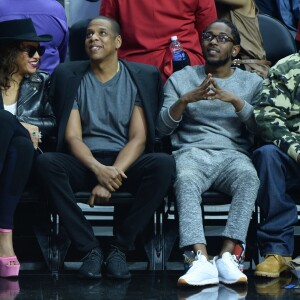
{"points": [[202, 272], [228, 269]]}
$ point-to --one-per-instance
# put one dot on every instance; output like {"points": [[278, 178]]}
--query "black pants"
{"points": [[16, 156], [149, 178]]}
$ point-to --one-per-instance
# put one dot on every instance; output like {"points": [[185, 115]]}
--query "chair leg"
{"points": [[42, 231], [170, 235], [43, 239], [59, 246], [154, 246], [54, 253], [251, 244]]}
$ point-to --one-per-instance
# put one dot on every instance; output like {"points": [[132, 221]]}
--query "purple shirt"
{"points": [[49, 17]]}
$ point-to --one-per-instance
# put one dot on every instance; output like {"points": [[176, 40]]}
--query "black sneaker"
{"points": [[91, 265], [116, 266]]}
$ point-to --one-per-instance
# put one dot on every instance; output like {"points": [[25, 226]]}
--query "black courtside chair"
{"points": [[277, 39]]}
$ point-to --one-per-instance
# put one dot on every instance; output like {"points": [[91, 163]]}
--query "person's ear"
{"points": [[118, 42], [235, 50]]}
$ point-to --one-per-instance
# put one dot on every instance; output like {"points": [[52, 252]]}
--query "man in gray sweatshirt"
{"points": [[208, 111]]}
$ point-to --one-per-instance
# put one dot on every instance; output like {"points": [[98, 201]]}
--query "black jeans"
{"points": [[16, 156], [149, 179]]}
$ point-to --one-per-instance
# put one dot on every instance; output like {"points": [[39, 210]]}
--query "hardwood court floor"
{"points": [[144, 284]]}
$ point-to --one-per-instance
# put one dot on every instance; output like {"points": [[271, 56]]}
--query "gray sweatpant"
{"points": [[228, 171]]}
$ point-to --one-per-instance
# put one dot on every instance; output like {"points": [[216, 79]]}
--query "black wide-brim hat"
{"points": [[21, 30]]}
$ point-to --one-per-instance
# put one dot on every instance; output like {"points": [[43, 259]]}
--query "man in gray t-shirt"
{"points": [[106, 110]]}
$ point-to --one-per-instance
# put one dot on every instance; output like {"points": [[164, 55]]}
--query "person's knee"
{"points": [[265, 154], [23, 146], [45, 163], [6, 118], [185, 177], [250, 178], [163, 159], [164, 165], [22, 142]]}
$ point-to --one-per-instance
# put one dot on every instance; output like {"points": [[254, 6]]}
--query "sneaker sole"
{"points": [[270, 274], [266, 274], [183, 282], [241, 280]]}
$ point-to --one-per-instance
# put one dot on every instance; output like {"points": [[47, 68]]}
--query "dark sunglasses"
{"points": [[31, 50], [221, 38]]}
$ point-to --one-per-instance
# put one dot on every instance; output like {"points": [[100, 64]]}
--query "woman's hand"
{"points": [[34, 134]]}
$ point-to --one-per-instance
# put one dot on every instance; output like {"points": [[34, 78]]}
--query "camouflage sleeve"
{"points": [[278, 112]]}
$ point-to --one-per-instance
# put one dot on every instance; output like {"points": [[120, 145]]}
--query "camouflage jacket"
{"points": [[278, 112]]}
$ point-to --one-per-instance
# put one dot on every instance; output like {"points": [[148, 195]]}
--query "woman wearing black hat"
{"points": [[25, 118]]}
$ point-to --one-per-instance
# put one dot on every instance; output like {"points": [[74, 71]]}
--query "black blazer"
{"points": [[65, 81]]}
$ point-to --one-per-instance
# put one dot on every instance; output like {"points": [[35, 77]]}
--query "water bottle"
{"points": [[176, 49], [179, 57]]}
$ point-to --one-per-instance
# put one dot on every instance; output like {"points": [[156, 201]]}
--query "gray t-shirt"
{"points": [[106, 109]]}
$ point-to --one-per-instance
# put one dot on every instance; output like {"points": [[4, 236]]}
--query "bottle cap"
{"points": [[174, 38]]}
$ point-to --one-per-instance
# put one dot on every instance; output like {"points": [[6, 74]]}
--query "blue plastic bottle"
{"points": [[180, 57], [176, 49]]}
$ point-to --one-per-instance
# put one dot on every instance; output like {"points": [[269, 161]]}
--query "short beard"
{"points": [[217, 63]]}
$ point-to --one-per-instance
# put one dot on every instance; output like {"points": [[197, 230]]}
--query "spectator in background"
{"points": [[289, 13], [82, 9], [243, 14], [286, 11], [47, 16], [268, 7], [277, 116], [147, 27]]}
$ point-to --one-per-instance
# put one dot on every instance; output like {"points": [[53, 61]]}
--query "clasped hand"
{"points": [[110, 179], [208, 90], [99, 195]]}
